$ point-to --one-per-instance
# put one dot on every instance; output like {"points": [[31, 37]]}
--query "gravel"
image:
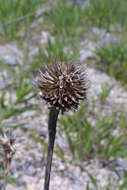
{"points": [[28, 165], [11, 54]]}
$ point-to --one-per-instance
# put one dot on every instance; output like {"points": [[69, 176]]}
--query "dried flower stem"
{"points": [[52, 123], [62, 86], [6, 171], [9, 149]]}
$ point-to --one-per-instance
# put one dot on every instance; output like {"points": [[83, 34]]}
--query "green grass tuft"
{"points": [[87, 140]]}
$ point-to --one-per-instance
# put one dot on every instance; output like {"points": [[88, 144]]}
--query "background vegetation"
{"points": [[69, 23]]}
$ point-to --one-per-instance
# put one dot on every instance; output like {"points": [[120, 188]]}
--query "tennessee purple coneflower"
{"points": [[62, 86]]}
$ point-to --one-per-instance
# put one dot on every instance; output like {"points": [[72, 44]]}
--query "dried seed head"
{"points": [[62, 86], [9, 148]]}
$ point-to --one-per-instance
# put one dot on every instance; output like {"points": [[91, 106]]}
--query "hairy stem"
{"points": [[52, 123]]}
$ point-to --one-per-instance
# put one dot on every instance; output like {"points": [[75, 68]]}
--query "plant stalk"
{"points": [[6, 171], [52, 123]]}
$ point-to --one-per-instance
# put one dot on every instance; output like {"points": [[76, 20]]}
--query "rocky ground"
{"points": [[28, 165]]}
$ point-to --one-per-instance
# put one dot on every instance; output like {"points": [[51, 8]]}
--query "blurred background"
{"points": [[91, 143]]}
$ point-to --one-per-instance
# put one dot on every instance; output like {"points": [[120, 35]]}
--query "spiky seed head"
{"points": [[62, 85]]}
